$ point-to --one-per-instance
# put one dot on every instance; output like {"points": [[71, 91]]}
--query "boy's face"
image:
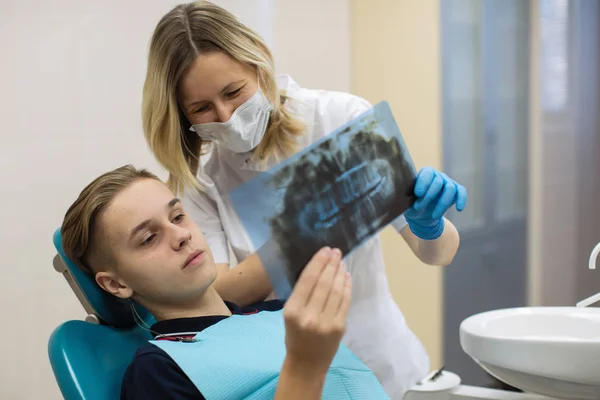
{"points": [[159, 255]]}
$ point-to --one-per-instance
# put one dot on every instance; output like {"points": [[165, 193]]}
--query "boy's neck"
{"points": [[210, 303]]}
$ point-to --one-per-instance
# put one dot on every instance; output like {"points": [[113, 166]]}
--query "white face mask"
{"points": [[244, 130]]}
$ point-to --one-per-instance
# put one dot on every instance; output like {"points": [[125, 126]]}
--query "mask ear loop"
{"points": [[190, 128], [262, 159], [258, 78]]}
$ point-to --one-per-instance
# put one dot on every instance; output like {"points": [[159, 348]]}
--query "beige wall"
{"points": [[396, 57], [71, 78]]}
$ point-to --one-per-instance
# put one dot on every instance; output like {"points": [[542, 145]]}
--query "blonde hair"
{"points": [[79, 231], [183, 34]]}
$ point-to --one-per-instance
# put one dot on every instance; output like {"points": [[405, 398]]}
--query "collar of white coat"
{"points": [[286, 83]]}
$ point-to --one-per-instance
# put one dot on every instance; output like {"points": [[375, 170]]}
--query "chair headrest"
{"points": [[90, 360], [109, 309]]}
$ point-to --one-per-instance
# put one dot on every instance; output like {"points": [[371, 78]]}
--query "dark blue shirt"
{"points": [[154, 375]]}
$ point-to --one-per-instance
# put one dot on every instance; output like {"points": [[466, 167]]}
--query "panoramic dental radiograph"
{"points": [[339, 192]]}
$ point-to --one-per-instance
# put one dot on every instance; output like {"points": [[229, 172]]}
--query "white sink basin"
{"points": [[552, 351]]}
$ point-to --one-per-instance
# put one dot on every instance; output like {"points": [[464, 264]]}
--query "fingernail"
{"points": [[326, 251]]}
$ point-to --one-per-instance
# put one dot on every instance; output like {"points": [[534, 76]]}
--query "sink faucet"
{"points": [[592, 265]]}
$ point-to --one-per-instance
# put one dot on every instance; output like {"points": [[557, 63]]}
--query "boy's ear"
{"points": [[108, 281]]}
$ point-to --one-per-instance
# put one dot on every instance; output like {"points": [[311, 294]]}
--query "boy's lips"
{"points": [[196, 257]]}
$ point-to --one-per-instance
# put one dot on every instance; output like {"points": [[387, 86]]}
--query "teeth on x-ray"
{"points": [[339, 194], [328, 212]]}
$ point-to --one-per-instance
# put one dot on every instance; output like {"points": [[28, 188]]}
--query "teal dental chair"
{"points": [[89, 358]]}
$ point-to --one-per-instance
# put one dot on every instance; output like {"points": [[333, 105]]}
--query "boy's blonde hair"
{"points": [[80, 239], [183, 34]]}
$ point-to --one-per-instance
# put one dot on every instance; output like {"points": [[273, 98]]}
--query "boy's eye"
{"points": [[178, 218], [149, 240]]}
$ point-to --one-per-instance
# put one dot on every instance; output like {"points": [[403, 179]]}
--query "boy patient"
{"points": [[128, 231]]}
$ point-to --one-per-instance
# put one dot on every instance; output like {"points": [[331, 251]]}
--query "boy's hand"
{"points": [[315, 314]]}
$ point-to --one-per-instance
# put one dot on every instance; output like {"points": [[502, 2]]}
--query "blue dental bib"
{"points": [[241, 358]]}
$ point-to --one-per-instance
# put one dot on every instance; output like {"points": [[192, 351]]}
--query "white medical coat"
{"points": [[377, 332]]}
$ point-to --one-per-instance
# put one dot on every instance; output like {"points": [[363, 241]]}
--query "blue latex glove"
{"points": [[435, 193]]}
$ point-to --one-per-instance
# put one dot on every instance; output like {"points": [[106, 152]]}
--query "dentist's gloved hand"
{"points": [[435, 193]]}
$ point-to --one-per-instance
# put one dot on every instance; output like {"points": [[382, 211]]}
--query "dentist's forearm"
{"points": [[440, 251], [246, 284]]}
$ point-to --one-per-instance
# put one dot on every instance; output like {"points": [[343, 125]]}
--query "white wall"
{"points": [[312, 42], [71, 78]]}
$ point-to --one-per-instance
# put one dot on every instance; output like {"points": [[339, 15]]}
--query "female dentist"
{"points": [[215, 115]]}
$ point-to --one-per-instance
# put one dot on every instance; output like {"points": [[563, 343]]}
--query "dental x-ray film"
{"points": [[338, 192]]}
